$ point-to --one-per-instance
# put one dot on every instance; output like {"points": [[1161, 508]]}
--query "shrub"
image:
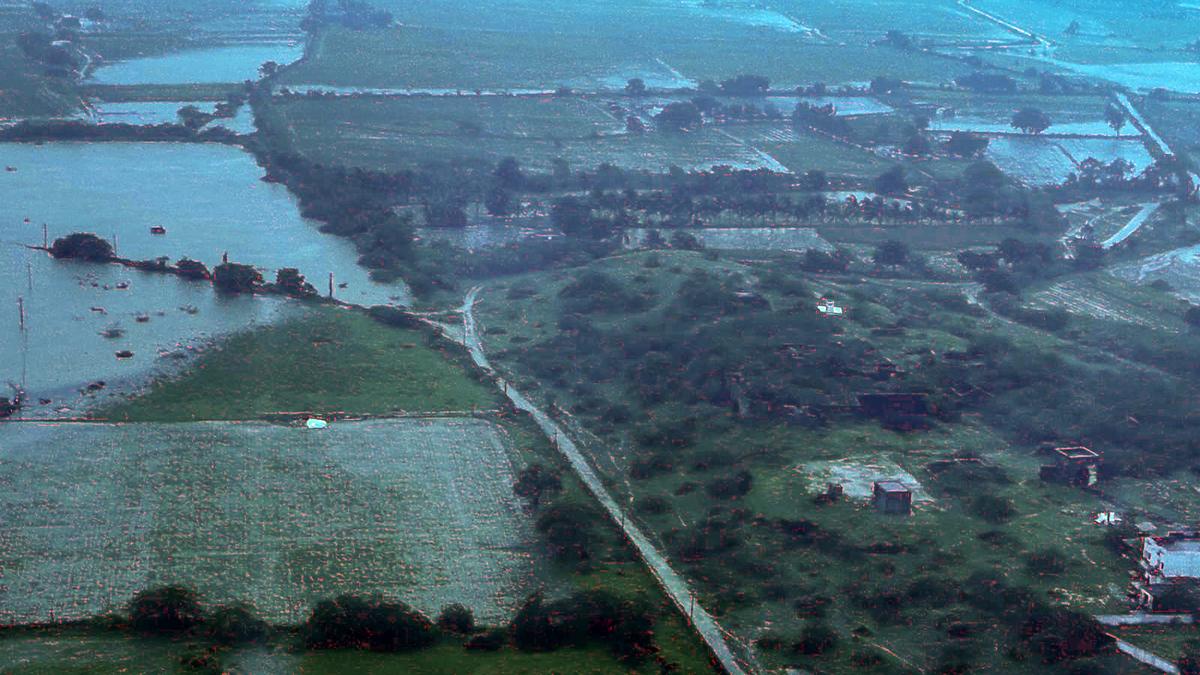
{"points": [[235, 623], [993, 509], [816, 639], [352, 622], [165, 609], [1046, 561], [456, 618], [490, 641], [731, 486]]}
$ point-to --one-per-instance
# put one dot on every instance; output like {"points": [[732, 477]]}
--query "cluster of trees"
{"points": [[377, 623], [75, 130], [353, 14], [59, 60]]}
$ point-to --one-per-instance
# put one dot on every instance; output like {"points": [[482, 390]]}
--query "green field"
{"points": [[326, 362]]}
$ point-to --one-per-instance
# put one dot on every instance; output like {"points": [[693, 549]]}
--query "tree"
{"points": [[917, 144], [746, 85], [814, 180], [444, 213], [83, 246], [1031, 120], [456, 618], [636, 87], [236, 278], [898, 39], [193, 118], [680, 116], [498, 201], [883, 84], [892, 181], [268, 68], [1115, 117], [891, 253], [1192, 316], [534, 481], [166, 609], [1189, 661], [965, 144], [508, 174], [235, 624], [352, 622], [572, 215]]}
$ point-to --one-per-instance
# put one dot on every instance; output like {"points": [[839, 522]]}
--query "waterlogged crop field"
{"points": [[1045, 161], [278, 516], [503, 44], [393, 133]]}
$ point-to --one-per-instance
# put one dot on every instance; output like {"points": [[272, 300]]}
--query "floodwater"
{"points": [[979, 125], [148, 113], [229, 63], [211, 200]]}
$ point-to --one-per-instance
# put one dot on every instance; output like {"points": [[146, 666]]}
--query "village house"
{"points": [[1168, 564]]}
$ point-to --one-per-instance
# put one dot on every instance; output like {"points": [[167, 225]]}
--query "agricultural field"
{"points": [[279, 516], [324, 361], [397, 133], [444, 46]]}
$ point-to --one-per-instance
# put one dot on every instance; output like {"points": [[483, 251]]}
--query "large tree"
{"points": [[1030, 120]]}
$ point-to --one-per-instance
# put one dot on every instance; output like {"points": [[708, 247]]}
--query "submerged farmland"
{"points": [[278, 516]]}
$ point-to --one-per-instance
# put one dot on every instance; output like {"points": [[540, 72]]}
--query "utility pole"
{"points": [[21, 311], [331, 284]]}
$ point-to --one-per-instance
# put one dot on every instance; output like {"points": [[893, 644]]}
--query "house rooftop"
{"points": [[1077, 452], [891, 486]]}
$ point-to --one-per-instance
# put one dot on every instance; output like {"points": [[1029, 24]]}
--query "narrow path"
{"points": [[1143, 126], [1143, 619], [1006, 25], [674, 585], [1147, 657], [1132, 226]]}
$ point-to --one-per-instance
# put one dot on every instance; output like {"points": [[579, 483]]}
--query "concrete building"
{"points": [[892, 497]]}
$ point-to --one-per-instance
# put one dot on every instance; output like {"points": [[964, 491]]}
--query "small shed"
{"points": [[892, 497], [1076, 465]]}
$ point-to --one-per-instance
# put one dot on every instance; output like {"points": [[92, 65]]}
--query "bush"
{"points": [[456, 618], [732, 486], [816, 639], [993, 509], [166, 609], [489, 642], [394, 316], [352, 622], [1047, 561], [235, 623]]}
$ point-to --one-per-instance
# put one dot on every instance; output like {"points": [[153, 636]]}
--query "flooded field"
{"points": [[231, 63], [147, 113], [1047, 161], [744, 238], [1180, 268], [278, 516], [209, 198]]}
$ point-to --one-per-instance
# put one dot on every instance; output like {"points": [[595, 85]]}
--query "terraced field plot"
{"points": [[278, 516]]}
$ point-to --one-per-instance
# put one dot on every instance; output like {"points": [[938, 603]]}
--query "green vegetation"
{"points": [[326, 361]]}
